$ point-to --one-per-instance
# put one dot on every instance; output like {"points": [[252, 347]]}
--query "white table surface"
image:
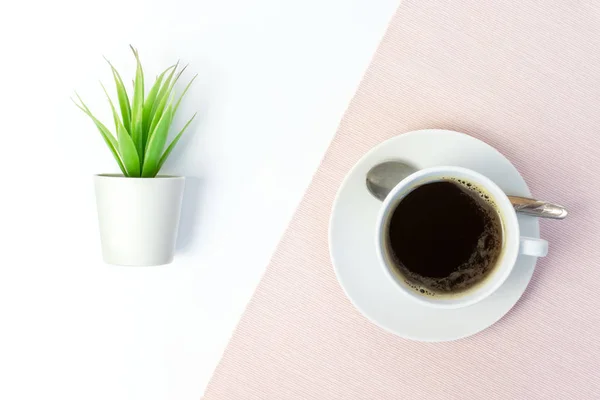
{"points": [[274, 80]]}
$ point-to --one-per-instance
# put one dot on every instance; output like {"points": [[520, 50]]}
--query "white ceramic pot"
{"points": [[139, 218]]}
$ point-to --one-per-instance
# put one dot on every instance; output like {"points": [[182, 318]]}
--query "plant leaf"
{"points": [[149, 104], [168, 89], [131, 158], [122, 96], [183, 94], [128, 152], [112, 107], [179, 75], [161, 100], [109, 139], [156, 143], [173, 143], [137, 107]]}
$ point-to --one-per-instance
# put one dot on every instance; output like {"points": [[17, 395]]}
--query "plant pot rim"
{"points": [[121, 176]]}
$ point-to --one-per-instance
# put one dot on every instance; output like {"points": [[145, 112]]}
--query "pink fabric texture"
{"points": [[523, 76]]}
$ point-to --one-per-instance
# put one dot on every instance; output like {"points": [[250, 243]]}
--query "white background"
{"points": [[274, 80]]}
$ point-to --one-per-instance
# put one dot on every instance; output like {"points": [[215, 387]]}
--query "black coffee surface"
{"points": [[445, 236]]}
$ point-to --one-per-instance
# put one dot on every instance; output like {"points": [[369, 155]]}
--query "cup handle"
{"points": [[533, 247]]}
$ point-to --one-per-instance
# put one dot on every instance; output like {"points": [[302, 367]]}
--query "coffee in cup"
{"points": [[445, 237]]}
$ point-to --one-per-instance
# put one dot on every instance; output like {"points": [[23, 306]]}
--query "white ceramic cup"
{"points": [[514, 244]]}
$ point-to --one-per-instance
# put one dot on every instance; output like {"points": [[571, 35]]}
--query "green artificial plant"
{"points": [[142, 124]]}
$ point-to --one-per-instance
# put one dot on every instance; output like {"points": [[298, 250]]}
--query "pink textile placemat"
{"points": [[523, 76]]}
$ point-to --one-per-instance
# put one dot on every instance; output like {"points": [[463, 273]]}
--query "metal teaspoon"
{"points": [[382, 178]]}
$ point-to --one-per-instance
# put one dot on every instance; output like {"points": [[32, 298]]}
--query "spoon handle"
{"points": [[537, 208]]}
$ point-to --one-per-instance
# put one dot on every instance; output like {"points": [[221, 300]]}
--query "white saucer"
{"points": [[352, 243]]}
